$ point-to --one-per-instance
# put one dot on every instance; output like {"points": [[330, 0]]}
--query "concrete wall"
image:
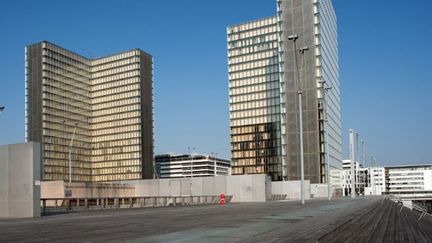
{"points": [[319, 190], [20, 180], [291, 189], [244, 188], [56, 189]]}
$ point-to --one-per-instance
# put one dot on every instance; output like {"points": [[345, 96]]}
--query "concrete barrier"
{"points": [[291, 189], [20, 180]]}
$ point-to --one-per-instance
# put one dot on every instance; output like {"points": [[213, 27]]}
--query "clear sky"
{"points": [[385, 65]]}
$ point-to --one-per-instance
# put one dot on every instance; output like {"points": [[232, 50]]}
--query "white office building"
{"points": [[190, 165], [375, 183], [408, 178], [360, 178]]}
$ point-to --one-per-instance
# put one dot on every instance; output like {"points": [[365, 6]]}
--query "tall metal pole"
{"points": [[70, 153], [301, 147], [373, 175], [327, 146], [363, 152], [352, 158]]}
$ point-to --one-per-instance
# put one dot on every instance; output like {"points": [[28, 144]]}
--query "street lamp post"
{"points": [[373, 175], [299, 92], [352, 159], [70, 153], [327, 154]]}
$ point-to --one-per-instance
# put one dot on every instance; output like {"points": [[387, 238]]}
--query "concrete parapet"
{"points": [[291, 189], [20, 166]]}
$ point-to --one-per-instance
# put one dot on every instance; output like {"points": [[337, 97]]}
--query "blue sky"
{"points": [[385, 64]]}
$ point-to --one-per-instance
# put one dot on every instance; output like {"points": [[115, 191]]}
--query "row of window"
{"points": [[253, 24], [123, 129], [53, 49], [255, 128], [50, 162], [115, 103], [65, 149], [252, 32], [255, 120], [115, 90], [78, 159], [255, 64], [256, 40], [111, 65], [270, 161], [119, 116], [116, 150], [69, 75], [117, 123], [254, 88], [253, 72], [120, 136], [256, 80], [66, 84], [255, 112], [65, 170], [254, 96], [268, 55], [117, 177], [125, 95], [106, 79], [126, 142], [253, 145], [122, 69], [254, 104], [103, 164], [63, 64], [117, 57], [115, 83], [112, 157], [79, 142], [115, 110], [128, 169], [253, 50]]}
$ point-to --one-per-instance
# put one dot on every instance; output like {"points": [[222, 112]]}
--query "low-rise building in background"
{"points": [[408, 178], [190, 165]]}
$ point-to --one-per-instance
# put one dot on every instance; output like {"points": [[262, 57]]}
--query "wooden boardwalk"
{"points": [[387, 222], [341, 220]]}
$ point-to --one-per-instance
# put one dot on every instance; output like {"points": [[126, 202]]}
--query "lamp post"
{"points": [[327, 154], [70, 152], [363, 152], [352, 159], [299, 93]]}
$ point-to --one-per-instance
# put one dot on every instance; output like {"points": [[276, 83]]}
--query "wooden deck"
{"points": [[387, 222], [341, 220]]}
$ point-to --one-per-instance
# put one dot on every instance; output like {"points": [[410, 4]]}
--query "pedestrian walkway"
{"points": [[341, 220]]}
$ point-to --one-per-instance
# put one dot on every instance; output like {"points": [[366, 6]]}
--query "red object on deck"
{"points": [[222, 199]]}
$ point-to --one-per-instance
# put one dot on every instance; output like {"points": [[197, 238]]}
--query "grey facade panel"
{"points": [[146, 77]]}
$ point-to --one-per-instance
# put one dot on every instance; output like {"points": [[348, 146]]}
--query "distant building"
{"points": [[360, 175], [98, 110], [376, 183], [408, 179], [190, 165], [263, 93]]}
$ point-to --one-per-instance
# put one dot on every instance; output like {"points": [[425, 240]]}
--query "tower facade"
{"points": [[93, 115], [273, 99]]}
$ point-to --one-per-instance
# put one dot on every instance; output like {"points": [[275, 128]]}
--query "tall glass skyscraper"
{"points": [[98, 110], [263, 82]]}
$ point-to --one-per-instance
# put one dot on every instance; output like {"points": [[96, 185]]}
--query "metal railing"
{"points": [[56, 205], [414, 206]]}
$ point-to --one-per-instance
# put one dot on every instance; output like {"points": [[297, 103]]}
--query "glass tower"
{"points": [[97, 110], [264, 81]]}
